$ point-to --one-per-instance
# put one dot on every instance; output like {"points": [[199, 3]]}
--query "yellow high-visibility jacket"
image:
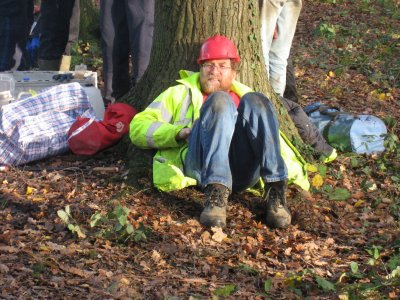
{"points": [[177, 107]]}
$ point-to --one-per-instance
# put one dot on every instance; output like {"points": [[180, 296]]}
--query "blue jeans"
{"points": [[235, 147], [284, 14]]}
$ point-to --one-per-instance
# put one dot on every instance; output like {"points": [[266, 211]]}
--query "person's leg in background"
{"points": [[72, 36], [13, 36], [126, 29], [269, 12], [140, 16], [107, 43], [291, 89], [55, 25], [307, 130], [280, 47], [29, 13], [26, 63], [115, 44], [282, 14]]}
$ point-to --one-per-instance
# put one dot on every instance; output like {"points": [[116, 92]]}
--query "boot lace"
{"points": [[275, 197], [216, 196]]}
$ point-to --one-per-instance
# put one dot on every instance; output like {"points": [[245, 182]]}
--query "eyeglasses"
{"points": [[209, 67]]}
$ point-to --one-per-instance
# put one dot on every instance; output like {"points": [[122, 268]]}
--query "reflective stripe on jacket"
{"points": [[178, 107]]}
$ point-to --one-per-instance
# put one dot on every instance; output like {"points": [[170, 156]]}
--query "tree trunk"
{"points": [[180, 28]]}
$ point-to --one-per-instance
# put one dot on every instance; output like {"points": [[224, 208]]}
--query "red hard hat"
{"points": [[218, 47]]}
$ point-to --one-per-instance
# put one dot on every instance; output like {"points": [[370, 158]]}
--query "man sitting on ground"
{"points": [[213, 131]]}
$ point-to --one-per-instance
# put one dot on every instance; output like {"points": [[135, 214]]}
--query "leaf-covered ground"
{"points": [[344, 241]]}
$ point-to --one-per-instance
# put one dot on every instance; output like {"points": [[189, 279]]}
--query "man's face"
{"points": [[216, 75]]}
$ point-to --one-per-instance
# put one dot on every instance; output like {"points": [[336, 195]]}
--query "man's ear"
{"points": [[234, 74]]}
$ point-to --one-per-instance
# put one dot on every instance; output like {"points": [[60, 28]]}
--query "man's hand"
{"points": [[183, 134]]}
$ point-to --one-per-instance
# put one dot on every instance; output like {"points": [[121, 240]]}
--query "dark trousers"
{"points": [[14, 31], [290, 88], [59, 28], [307, 130], [126, 29]]}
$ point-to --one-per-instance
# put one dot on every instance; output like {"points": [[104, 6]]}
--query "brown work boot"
{"points": [[278, 215], [214, 212]]}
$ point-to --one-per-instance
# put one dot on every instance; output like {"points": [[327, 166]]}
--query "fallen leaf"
{"points": [[166, 219], [4, 269], [145, 266], [247, 247], [38, 199], [358, 195], [196, 280], [387, 200], [330, 241], [76, 271], [193, 222], [327, 253], [373, 187], [5, 237], [156, 256], [347, 183], [320, 263], [205, 236], [169, 248], [359, 203], [260, 238], [54, 246], [105, 273], [317, 181], [44, 248], [218, 235], [311, 168], [8, 249], [206, 268], [29, 190], [125, 281], [71, 194], [307, 195]]}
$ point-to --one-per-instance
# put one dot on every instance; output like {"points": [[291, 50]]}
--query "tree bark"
{"points": [[180, 28]]}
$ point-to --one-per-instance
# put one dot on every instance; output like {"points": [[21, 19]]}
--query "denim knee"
{"points": [[218, 102], [255, 101]]}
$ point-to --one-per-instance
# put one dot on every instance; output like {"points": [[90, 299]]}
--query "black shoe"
{"points": [[277, 213], [214, 212]]}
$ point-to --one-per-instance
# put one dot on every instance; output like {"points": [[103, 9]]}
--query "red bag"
{"points": [[87, 136]]}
